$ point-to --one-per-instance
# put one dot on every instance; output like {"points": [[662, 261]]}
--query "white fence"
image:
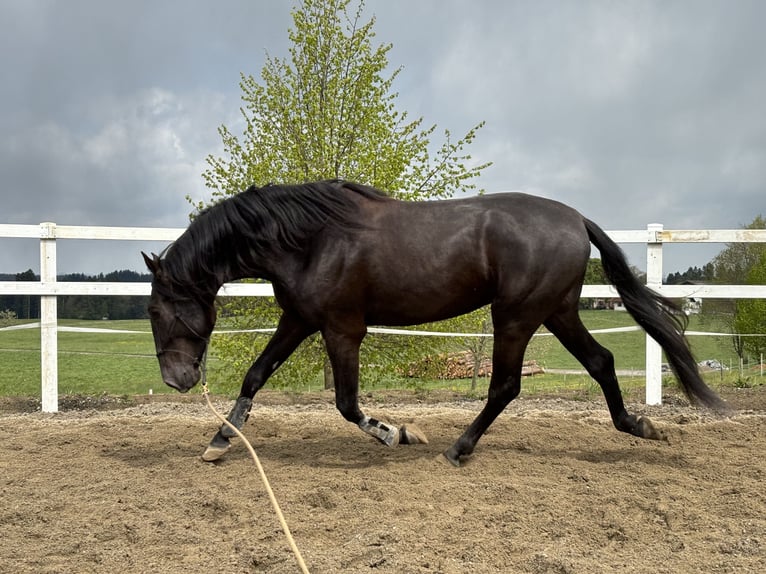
{"points": [[654, 237]]}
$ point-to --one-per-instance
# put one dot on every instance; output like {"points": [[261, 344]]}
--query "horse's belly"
{"points": [[421, 304]]}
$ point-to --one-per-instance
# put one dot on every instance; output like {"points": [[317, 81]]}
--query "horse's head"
{"points": [[181, 325]]}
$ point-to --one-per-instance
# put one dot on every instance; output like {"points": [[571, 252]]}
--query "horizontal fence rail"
{"points": [[48, 288]]}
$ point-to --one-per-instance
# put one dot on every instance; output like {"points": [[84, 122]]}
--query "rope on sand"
{"points": [[264, 479]]}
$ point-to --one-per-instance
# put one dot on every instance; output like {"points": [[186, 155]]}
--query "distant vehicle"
{"points": [[713, 364]]}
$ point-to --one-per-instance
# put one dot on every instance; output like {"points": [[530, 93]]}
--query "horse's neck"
{"points": [[213, 265], [219, 268]]}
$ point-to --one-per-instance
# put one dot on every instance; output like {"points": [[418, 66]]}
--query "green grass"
{"points": [[124, 364], [629, 349], [88, 363]]}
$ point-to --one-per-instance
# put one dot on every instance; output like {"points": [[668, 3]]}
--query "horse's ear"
{"points": [[153, 263]]}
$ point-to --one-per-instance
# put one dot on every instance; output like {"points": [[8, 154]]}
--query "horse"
{"points": [[342, 256]]}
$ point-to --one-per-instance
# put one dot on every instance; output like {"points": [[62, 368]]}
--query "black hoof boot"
{"points": [[238, 416]]}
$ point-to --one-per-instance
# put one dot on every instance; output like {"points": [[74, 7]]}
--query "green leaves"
{"points": [[750, 314], [744, 263], [329, 112], [734, 262]]}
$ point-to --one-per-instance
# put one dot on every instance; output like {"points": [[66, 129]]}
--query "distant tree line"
{"points": [[21, 306], [80, 306], [706, 274]]}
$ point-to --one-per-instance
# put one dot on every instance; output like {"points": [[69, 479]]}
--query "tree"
{"points": [[737, 264], [594, 275], [329, 112], [478, 348], [7, 317], [692, 274], [750, 315], [29, 306], [735, 261], [480, 321]]}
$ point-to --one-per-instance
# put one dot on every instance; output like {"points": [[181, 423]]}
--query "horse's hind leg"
{"points": [[504, 386], [599, 362]]}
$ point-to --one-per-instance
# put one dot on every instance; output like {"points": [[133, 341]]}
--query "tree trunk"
{"points": [[476, 366], [329, 379]]}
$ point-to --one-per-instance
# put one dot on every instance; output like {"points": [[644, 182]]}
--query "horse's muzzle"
{"points": [[181, 379], [174, 385]]}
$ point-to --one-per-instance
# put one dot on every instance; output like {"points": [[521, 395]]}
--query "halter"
{"points": [[201, 360]]}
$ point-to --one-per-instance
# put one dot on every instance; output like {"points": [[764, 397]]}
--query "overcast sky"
{"points": [[632, 112]]}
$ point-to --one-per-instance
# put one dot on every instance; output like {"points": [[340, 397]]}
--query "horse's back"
{"points": [[488, 230], [424, 261]]}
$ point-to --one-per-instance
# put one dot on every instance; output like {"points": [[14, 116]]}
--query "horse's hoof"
{"points": [[647, 430], [411, 434], [218, 447], [213, 453], [452, 457], [442, 461]]}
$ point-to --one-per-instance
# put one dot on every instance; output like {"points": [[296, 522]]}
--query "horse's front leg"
{"points": [[343, 350], [289, 334]]}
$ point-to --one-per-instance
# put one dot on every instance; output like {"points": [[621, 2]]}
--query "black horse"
{"points": [[342, 256]]}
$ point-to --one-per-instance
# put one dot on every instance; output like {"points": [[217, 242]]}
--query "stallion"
{"points": [[343, 256]]}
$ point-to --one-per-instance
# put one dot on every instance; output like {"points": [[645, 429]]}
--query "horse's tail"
{"points": [[660, 317]]}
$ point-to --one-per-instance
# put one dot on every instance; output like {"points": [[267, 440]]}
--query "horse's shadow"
{"points": [[333, 450], [143, 455], [651, 453]]}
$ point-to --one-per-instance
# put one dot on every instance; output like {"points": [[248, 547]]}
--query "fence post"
{"points": [[653, 349], [48, 321]]}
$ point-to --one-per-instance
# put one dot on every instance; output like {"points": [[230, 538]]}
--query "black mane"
{"points": [[282, 218]]}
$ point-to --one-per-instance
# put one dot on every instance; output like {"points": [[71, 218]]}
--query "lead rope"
{"points": [[264, 478]]}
